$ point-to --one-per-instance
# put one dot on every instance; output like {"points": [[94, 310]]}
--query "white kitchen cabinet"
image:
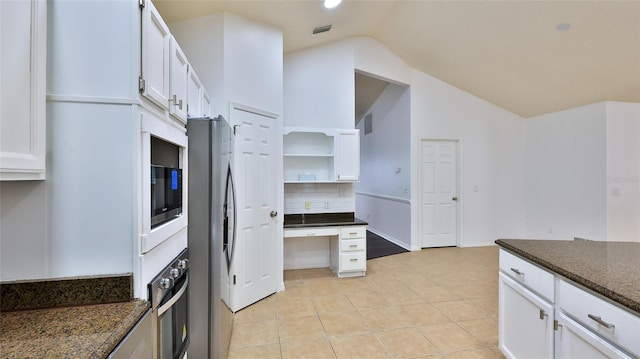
{"points": [[23, 38], [347, 158], [194, 95], [600, 317], [525, 322], [179, 74], [156, 39], [308, 155], [321, 155], [349, 252], [575, 341], [542, 315]]}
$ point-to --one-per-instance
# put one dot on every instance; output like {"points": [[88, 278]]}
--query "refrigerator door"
{"points": [[210, 149]]}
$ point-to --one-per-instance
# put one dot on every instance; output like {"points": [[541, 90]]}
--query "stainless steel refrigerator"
{"points": [[211, 235]]}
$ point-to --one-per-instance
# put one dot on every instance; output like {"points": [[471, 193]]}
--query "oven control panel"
{"points": [[163, 284]]}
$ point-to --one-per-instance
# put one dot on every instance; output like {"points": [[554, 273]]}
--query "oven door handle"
{"points": [[173, 299]]}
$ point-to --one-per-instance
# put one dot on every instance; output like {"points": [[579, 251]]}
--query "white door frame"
{"points": [[459, 207]]}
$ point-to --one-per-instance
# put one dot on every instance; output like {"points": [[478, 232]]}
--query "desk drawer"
{"points": [[347, 245], [528, 274], [353, 232], [602, 317], [311, 232], [353, 261]]}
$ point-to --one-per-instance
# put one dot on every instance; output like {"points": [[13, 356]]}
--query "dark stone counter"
{"points": [[322, 220], [611, 269], [68, 318]]}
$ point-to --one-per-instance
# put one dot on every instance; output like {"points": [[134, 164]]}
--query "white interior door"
{"points": [[255, 264], [439, 198]]}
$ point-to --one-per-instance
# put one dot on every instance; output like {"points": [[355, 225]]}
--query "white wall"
{"points": [[319, 87], [492, 139], [566, 174], [492, 152], [384, 190], [80, 220], [623, 172], [238, 60]]}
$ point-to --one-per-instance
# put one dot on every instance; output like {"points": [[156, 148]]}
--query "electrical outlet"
{"points": [[307, 205], [326, 204]]}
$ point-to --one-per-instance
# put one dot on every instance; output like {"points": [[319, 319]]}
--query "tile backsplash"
{"points": [[319, 198]]}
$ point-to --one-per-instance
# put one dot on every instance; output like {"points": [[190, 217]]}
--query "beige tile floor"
{"points": [[436, 303]]}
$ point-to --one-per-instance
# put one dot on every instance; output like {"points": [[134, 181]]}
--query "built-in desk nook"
{"points": [[345, 234]]}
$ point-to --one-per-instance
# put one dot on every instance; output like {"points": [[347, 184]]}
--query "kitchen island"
{"points": [[573, 298]]}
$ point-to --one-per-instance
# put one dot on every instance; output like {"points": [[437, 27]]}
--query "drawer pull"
{"points": [[310, 234], [353, 245], [516, 271], [353, 259], [543, 314], [353, 233], [601, 322]]}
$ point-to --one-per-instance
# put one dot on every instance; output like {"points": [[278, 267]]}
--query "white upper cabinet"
{"points": [[179, 79], [23, 39], [194, 106], [347, 157], [156, 40], [321, 155]]}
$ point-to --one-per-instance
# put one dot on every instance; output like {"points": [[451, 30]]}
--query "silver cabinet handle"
{"points": [[599, 320], [180, 104], [353, 259], [353, 245], [543, 314], [516, 271]]}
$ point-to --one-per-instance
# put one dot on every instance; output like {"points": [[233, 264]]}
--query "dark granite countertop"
{"points": [[322, 220], [90, 331], [84, 317], [611, 269]]}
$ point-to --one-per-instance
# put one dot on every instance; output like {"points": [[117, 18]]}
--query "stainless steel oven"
{"points": [[169, 304]]}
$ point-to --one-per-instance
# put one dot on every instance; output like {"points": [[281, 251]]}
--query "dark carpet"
{"points": [[380, 247]]}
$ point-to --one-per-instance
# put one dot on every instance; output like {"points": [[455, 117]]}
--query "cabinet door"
{"points": [[23, 26], [575, 341], [179, 78], [347, 155], [525, 322], [155, 56], [194, 95]]}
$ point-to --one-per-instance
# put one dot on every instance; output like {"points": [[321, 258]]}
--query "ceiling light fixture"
{"points": [[330, 4], [565, 26]]}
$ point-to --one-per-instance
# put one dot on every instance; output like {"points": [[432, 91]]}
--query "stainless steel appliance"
{"points": [[168, 292], [211, 235]]}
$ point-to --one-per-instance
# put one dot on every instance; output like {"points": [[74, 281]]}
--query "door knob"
{"points": [[273, 213], [455, 198]]}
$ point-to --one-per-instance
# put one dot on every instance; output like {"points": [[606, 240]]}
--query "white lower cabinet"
{"points": [[349, 252], [543, 319], [525, 322], [575, 341]]}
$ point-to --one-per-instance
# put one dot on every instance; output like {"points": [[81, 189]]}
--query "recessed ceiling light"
{"points": [[565, 26], [330, 4]]}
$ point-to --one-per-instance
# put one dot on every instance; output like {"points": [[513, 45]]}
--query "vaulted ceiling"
{"points": [[514, 54]]}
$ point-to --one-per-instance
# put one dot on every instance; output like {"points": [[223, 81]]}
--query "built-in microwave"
{"points": [[166, 194]]}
